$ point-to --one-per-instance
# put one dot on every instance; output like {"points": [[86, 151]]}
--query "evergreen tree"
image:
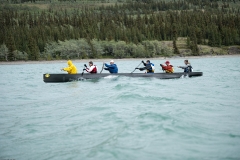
{"points": [[11, 47], [188, 41], [175, 48], [33, 53], [4, 52]]}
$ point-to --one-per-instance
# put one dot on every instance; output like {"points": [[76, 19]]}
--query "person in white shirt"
{"points": [[92, 68]]}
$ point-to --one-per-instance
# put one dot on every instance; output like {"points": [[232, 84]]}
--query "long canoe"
{"points": [[58, 78]]}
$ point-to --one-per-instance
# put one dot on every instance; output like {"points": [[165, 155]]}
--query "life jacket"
{"points": [[188, 69], [151, 70], [170, 70], [94, 69]]}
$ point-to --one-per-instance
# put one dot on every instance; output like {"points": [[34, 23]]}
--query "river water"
{"points": [[121, 117]]}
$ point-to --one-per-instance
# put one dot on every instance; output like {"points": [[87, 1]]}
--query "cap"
{"points": [[167, 62], [111, 61]]}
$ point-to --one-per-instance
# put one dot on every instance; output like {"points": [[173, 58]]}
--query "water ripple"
{"points": [[121, 117]]}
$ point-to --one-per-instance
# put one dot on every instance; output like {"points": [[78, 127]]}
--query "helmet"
{"points": [[167, 62]]}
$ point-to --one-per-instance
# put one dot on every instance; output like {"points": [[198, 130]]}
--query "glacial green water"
{"points": [[121, 118]]}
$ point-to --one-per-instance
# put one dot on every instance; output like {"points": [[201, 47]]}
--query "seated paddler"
{"points": [[187, 68], [71, 69], [112, 68], [168, 68], [92, 68], [149, 67]]}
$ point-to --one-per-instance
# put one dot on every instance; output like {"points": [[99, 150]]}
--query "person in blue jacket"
{"points": [[112, 68], [148, 66]]}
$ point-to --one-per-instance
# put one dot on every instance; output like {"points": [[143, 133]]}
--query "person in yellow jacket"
{"points": [[71, 69]]}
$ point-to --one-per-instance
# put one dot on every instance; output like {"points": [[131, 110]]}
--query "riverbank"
{"points": [[107, 60]]}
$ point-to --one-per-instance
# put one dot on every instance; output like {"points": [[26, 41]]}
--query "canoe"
{"points": [[58, 78]]}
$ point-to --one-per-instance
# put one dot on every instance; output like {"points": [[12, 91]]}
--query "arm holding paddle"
{"points": [[141, 69], [104, 64], [147, 67], [144, 68], [84, 69], [144, 63], [106, 69], [112, 67], [108, 66]]}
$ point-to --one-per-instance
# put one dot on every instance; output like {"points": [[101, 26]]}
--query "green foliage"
{"points": [[33, 53], [11, 47], [119, 49], [139, 51], [20, 55], [175, 48], [94, 29], [149, 49], [80, 49], [3, 52]]}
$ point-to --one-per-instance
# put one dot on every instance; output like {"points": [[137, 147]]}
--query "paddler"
{"points": [[148, 66], [71, 69], [168, 68], [187, 68], [92, 69], [112, 68]]}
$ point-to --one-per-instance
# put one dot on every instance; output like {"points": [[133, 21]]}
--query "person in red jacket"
{"points": [[168, 68], [92, 69]]}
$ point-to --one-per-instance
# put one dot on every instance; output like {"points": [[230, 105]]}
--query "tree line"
{"points": [[27, 34]]}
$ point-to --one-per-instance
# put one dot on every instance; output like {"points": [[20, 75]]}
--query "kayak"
{"points": [[58, 78]]}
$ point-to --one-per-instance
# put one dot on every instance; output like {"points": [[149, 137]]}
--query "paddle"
{"points": [[137, 67], [82, 72], [84, 68], [102, 68]]}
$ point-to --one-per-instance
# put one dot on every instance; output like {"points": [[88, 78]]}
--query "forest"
{"points": [[82, 29]]}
